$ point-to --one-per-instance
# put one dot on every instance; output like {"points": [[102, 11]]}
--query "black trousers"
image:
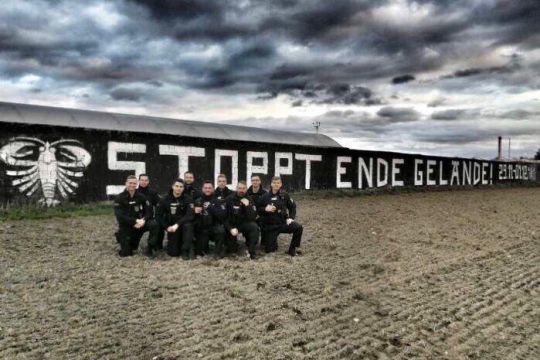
{"points": [[203, 235], [181, 241], [160, 237], [129, 237], [270, 235], [250, 230]]}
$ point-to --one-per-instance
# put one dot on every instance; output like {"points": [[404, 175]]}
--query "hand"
{"points": [[198, 210], [289, 221], [172, 228], [234, 232], [139, 223], [244, 201], [270, 208]]}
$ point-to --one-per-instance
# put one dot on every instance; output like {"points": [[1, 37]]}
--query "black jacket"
{"points": [[222, 195], [213, 212], [152, 196], [238, 213], [192, 191], [286, 208], [175, 210], [128, 209], [256, 196]]}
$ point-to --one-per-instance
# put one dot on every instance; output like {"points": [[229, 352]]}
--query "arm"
{"points": [[251, 210], [228, 211], [291, 206], [189, 215], [148, 210], [161, 215]]}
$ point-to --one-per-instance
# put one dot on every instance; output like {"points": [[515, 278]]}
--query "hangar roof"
{"points": [[46, 115]]}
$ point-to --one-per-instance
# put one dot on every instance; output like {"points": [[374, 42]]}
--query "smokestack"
{"points": [[499, 156]]}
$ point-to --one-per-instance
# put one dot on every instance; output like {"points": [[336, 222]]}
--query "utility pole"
{"points": [[508, 149]]}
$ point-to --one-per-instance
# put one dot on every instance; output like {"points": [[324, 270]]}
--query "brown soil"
{"points": [[443, 275]]}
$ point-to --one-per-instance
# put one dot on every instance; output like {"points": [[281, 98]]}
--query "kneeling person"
{"points": [[241, 214], [278, 211], [209, 217], [134, 214], [175, 214]]}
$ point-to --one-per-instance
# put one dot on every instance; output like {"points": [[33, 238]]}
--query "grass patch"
{"points": [[67, 210]]}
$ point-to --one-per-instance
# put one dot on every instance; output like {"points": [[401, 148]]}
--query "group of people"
{"points": [[193, 218]]}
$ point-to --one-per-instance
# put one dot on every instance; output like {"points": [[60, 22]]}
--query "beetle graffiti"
{"points": [[52, 166]]}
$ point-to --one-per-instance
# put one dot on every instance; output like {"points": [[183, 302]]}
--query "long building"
{"points": [[49, 155]]}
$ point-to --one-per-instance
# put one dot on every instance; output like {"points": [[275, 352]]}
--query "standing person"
{"points": [[190, 189], [278, 211], [153, 197], [134, 216], [175, 214], [256, 191], [222, 191], [209, 217], [241, 214]]}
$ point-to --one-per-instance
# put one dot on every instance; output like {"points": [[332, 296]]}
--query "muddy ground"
{"points": [[438, 275]]}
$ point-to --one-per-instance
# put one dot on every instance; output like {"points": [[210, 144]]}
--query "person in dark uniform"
{"points": [[153, 197], [241, 214], [222, 191], [134, 216], [278, 210], [209, 217], [256, 191], [175, 214], [191, 190]]}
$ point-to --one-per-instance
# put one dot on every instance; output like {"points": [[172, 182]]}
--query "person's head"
{"points": [[276, 183], [177, 187], [208, 188], [144, 180], [131, 183], [256, 181], [222, 181], [241, 189], [189, 178]]}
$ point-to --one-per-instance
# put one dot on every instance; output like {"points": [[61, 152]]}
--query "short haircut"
{"points": [[276, 178], [242, 182], [189, 172], [254, 176], [222, 176], [141, 175], [179, 180], [208, 182], [131, 177]]}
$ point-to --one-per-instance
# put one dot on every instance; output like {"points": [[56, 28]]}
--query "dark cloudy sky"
{"points": [[437, 77]]}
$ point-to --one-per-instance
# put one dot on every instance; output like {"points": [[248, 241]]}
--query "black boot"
{"points": [[292, 251]]}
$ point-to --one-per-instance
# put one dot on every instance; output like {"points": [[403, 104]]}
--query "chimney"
{"points": [[499, 156]]}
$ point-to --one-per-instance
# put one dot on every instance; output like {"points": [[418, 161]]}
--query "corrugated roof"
{"points": [[46, 115]]}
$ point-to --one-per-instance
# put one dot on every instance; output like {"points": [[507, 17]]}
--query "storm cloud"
{"points": [[405, 69]]}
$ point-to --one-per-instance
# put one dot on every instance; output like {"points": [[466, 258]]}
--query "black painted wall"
{"points": [[27, 165]]}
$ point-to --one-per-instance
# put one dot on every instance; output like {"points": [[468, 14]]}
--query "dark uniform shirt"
{"points": [[128, 209], [238, 213], [213, 212], [175, 210], [222, 194], [286, 208], [256, 196], [152, 196], [192, 191]]}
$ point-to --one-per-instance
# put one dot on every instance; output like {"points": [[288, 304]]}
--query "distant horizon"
{"points": [[425, 77]]}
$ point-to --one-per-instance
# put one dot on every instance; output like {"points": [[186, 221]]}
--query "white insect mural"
{"points": [[52, 166]]}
